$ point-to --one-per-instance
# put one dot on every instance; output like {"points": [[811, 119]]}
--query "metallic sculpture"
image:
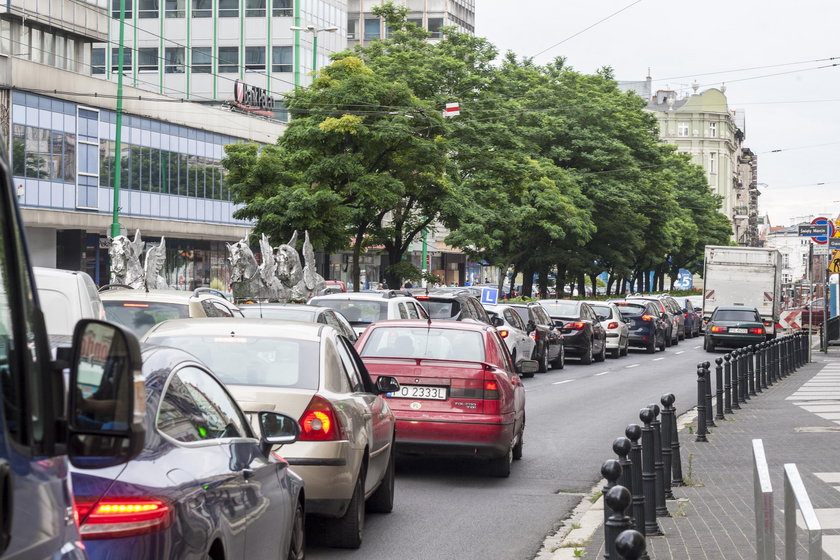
{"points": [[155, 257], [126, 267], [280, 277]]}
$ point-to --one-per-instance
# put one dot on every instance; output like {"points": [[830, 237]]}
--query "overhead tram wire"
{"points": [[746, 69]]}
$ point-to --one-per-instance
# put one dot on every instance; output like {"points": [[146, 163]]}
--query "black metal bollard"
{"points": [[658, 462], [667, 433], [771, 361], [786, 354], [701, 404], [630, 545], [736, 381], [710, 413], [745, 374], [751, 369], [610, 470], [633, 433], [727, 384], [616, 500], [676, 460], [719, 389], [649, 474], [783, 356], [621, 447], [762, 364]]}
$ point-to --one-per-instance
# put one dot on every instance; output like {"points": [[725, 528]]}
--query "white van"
{"points": [[67, 296]]}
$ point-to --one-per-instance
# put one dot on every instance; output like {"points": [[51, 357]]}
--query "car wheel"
{"points": [[297, 544], [560, 362], [615, 352], [681, 337], [602, 355], [382, 501], [517, 449], [500, 466], [347, 530], [662, 344], [668, 339], [586, 357], [651, 348], [708, 345], [543, 364], [626, 347]]}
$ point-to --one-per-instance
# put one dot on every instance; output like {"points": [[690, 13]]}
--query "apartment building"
{"points": [[432, 15]]}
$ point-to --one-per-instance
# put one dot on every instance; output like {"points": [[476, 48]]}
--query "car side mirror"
{"points": [[107, 398], [531, 327], [558, 323], [497, 321], [387, 384], [528, 366], [664, 315], [276, 429]]}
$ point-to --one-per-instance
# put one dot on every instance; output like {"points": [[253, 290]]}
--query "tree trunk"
{"points": [[394, 257], [581, 285], [561, 280], [357, 251], [621, 289], [527, 282], [513, 280], [594, 279], [502, 276], [610, 282], [543, 283]]}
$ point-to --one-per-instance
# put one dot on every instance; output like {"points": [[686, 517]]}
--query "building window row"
{"points": [[373, 28], [40, 153], [150, 9], [174, 59]]}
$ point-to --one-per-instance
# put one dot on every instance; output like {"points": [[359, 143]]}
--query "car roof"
{"points": [[435, 324], [55, 273], [735, 308], [163, 296], [275, 305], [158, 361], [370, 296], [249, 326]]}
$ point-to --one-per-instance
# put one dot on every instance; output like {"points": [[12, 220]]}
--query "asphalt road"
{"points": [[453, 509]]}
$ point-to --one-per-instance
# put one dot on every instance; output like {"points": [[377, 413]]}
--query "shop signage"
{"points": [[252, 98]]}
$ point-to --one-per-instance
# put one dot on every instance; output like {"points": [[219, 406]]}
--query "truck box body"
{"points": [[748, 276]]}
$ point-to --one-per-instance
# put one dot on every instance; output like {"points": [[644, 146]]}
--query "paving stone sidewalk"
{"points": [[798, 419]]}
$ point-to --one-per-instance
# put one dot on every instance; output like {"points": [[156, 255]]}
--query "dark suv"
{"points": [[549, 347], [674, 316], [453, 306], [582, 332]]}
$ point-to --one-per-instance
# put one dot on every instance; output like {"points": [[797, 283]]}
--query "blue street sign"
{"points": [[684, 280], [489, 296], [834, 244]]}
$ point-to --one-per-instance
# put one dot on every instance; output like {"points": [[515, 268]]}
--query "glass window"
{"points": [[443, 344], [352, 28], [350, 368], [434, 27], [87, 192], [712, 162], [175, 8], [412, 311], [281, 59], [372, 29], [197, 408], [682, 129], [228, 8], [97, 60], [255, 59], [712, 130], [253, 360], [254, 8], [56, 154], [402, 310], [115, 59], [147, 9], [228, 60], [416, 21], [37, 152], [19, 159], [115, 9], [282, 8], [357, 312], [174, 60], [202, 60], [147, 59], [139, 317], [561, 309], [202, 8]]}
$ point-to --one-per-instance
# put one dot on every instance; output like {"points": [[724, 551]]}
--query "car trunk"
{"points": [[292, 402]]}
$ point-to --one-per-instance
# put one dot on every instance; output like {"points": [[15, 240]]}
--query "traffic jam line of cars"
{"points": [[258, 416]]}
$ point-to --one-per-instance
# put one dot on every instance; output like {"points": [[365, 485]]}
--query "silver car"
{"points": [[616, 327], [514, 332]]}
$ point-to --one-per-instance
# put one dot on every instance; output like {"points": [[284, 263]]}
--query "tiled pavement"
{"points": [[798, 419]]}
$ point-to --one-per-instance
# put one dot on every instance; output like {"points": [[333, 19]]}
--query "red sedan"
{"points": [[459, 393]]}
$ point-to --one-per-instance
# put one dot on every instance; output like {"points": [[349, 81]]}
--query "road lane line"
{"points": [[561, 382], [696, 347], [680, 352], [657, 359], [602, 373], [633, 365]]}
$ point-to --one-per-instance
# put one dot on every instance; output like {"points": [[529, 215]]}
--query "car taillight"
{"points": [[128, 516], [768, 323], [491, 390], [319, 422], [718, 329], [535, 335], [575, 326], [647, 318], [504, 334], [756, 330], [686, 315], [613, 325]]}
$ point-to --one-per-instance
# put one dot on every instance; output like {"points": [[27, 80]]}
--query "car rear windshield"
{"points": [[631, 309], [278, 313], [602, 311], [140, 316], [442, 344], [253, 360], [735, 315], [561, 308], [357, 312], [441, 309]]}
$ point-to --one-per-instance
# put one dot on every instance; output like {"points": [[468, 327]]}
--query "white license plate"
{"points": [[738, 331], [421, 392]]}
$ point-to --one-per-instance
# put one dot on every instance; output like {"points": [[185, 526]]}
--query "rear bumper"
{"points": [[328, 470], [576, 342], [613, 340], [736, 340], [642, 337], [454, 434]]}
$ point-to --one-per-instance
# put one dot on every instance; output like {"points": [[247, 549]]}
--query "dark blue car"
{"points": [[203, 485], [648, 329]]}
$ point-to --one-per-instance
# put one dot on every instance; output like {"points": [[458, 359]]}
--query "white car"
{"points": [[66, 297], [514, 332], [616, 327], [363, 308]]}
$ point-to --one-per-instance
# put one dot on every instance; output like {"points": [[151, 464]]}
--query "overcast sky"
{"points": [[797, 111]]}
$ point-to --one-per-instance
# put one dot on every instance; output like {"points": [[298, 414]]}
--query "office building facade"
{"points": [[432, 15]]}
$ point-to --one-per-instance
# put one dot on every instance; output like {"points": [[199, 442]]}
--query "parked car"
{"points": [[363, 308], [67, 296], [345, 450], [672, 335], [301, 312], [515, 334], [453, 306], [615, 326], [459, 393], [583, 335], [648, 328], [734, 327], [693, 319], [139, 310], [203, 483], [679, 314], [697, 304], [550, 347]]}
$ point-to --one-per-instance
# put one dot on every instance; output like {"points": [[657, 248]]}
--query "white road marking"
{"points": [[633, 365], [561, 382], [657, 359], [602, 373], [696, 347], [680, 352]]}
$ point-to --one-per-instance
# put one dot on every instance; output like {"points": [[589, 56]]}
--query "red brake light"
{"points": [[491, 390], [575, 326], [319, 422], [718, 329], [647, 318], [115, 517], [135, 305], [756, 330], [421, 297], [504, 334], [613, 325]]}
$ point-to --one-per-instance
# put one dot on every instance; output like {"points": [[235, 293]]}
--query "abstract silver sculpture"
{"points": [[125, 262], [280, 277]]}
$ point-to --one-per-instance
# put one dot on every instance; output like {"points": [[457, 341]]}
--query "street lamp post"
{"points": [[314, 30]]}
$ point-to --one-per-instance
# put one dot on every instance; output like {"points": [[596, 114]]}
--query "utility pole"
{"points": [[115, 223]]}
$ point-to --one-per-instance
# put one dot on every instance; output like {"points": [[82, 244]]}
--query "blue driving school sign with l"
{"points": [[489, 296]]}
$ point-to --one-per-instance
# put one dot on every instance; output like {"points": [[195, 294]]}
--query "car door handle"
{"points": [[6, 505]]}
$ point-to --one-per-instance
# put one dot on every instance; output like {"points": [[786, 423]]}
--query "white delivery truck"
{"points": [[748, 276]]}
